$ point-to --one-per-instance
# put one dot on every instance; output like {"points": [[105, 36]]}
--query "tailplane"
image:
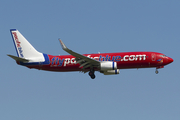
{"points": [[25, 51], [18, 58]]}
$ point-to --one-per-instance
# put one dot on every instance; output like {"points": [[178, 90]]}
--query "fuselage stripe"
{"points": [[113, 65]]}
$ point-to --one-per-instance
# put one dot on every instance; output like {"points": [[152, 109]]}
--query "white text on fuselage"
{"points": [[55, 61]]}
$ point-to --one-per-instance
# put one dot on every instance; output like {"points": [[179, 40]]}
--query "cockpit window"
{"points": [[162, 55]]}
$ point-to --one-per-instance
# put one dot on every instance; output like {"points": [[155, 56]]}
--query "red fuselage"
{"points": [[106, 63], [125, 60]]}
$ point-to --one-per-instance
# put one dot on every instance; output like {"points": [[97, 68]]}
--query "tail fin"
{"points": [[23, 48]]}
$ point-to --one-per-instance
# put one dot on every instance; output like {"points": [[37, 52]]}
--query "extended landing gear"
{"points": [[91, 74], [156, 71]]}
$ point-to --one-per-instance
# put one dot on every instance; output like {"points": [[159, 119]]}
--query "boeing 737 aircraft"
{"points": [[106, 63]]}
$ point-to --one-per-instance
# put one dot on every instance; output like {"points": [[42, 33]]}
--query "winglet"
{"points": [[62, 44]]}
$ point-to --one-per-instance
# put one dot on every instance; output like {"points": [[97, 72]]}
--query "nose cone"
{"points": [[170, 60]]}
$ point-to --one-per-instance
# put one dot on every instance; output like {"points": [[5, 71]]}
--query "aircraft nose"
{"points": [[170, 60]]}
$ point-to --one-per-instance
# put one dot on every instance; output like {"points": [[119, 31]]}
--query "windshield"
{"points": [[162, 55]]}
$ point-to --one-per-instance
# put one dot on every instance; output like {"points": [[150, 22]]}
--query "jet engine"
{"points": [[111, 72], [108, 65]]}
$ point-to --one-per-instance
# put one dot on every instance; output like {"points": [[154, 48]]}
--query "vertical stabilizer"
{"points": [[23, 48]]}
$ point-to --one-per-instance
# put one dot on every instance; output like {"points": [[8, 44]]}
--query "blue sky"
{"points": [[91, 27]]}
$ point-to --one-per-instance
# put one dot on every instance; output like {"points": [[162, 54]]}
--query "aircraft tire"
{"points": [[156, 71], [93, 76]]}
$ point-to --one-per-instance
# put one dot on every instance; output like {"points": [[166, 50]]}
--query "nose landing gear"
{"points": [[156, 71]]}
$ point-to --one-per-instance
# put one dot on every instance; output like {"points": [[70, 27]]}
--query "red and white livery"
{"points": [[106, 63]]}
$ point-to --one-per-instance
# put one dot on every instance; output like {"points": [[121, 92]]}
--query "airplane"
{"points": [[106, 63]]}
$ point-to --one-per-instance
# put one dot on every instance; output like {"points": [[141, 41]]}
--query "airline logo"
{"points": [[18, 44], [160, 60], [55, 61]]}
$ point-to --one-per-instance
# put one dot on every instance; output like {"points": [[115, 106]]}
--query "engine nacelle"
{"points": [[108, 65], [111, 72]]}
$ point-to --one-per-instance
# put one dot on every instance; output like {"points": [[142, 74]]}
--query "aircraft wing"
{"points": [[84, 61]]}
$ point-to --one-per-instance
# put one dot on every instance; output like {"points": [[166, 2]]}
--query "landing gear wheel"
{"points": [[156, 71], [91, 74]]}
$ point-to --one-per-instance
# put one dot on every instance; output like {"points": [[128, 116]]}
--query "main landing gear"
{"points": [[91, 74]]}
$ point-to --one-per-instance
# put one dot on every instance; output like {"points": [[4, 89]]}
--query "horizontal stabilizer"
{"points": [[18, 58]]}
